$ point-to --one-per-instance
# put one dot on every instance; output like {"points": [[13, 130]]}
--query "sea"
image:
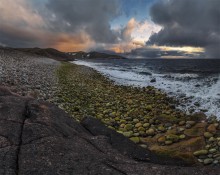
{"points": [[194, 82]]}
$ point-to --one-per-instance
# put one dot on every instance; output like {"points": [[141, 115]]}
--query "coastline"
{"points": [[145, 115]]}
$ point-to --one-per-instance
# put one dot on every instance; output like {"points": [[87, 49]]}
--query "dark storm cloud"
{"points": [[148, 52], [93, 16], [188, 23]]}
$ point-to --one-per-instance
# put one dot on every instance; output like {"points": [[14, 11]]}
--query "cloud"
{"points": [[188, 23], [162, 52], [21, 26], [91, 16], [20, 13], [79, 23], [134, 35], [129, 28]]}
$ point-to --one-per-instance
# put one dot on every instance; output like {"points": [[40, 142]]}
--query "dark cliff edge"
{"points": [[36, 137]]}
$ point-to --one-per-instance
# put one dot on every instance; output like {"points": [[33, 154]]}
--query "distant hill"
{"points": [[68, 56], [94, 55], [49, 53]]}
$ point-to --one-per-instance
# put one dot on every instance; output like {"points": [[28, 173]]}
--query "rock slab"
{"points": [[38, 138]]}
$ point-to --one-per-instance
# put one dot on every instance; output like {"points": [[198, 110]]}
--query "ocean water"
{"points": [[195, 82]]}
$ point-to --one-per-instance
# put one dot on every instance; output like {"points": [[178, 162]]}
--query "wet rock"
{"points": [[138, 125], [197, 130], [191, 123], [181, 123], [146, 125], [129, 127], [208, 135], [161, 128], [182, 136], [213, 150], [212, 129], [208, 161], [127, 134], [172, 137], [150, 132], [168, 142], [200, 153], [153, 80], [162, 139], [135, 139]]}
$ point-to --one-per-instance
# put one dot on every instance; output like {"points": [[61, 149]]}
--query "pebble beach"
{"points": [[28, 75], [145, 115]]}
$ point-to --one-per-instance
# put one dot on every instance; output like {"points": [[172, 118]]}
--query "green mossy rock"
{"points": [[212, 129], [135, 139], [149, 108], [128, 134], [162, 139], [208, 135], [208, 161], [129, 127], [172, 137], [150, 132], [200, 153], [146, 125], [138, 125], [181, 150], [161, 128]]}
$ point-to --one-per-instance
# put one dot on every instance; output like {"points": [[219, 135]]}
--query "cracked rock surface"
{"points": [[38, 138]]}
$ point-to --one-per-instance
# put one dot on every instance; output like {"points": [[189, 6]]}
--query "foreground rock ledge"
{"points": [[38, 138]]}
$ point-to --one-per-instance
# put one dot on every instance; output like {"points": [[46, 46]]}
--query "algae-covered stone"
{"points": [[162, 139], [135, 139], [146, 125], [128, 127], [212, 129], [138, 125], [194, 132], [111, 127], [161, 128], [172, 137], [208, 135], [128, 134], [213, 150], [143, 146], [192, 123], [141, 129], [212, 139], [135, 120], [122, 125], [180, 130], [136, 134], [181, 123], [149, 108], [182, 136], [208, 161], [150, 132], [168, 142], [201, 152], [122, 129]]}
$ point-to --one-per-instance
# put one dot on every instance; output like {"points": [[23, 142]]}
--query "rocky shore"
{"points": [[39, 138], [146, 116]]}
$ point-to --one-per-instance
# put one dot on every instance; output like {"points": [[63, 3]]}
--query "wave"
{"points": [[196, 92]]}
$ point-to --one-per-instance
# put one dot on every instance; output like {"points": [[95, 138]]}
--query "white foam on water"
{"points": [[202, 91]]}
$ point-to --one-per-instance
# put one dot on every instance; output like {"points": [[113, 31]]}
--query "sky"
{"points": [[136, 28]]}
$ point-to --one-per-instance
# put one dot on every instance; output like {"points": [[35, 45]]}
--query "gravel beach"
{"points": [[28, 75]]}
